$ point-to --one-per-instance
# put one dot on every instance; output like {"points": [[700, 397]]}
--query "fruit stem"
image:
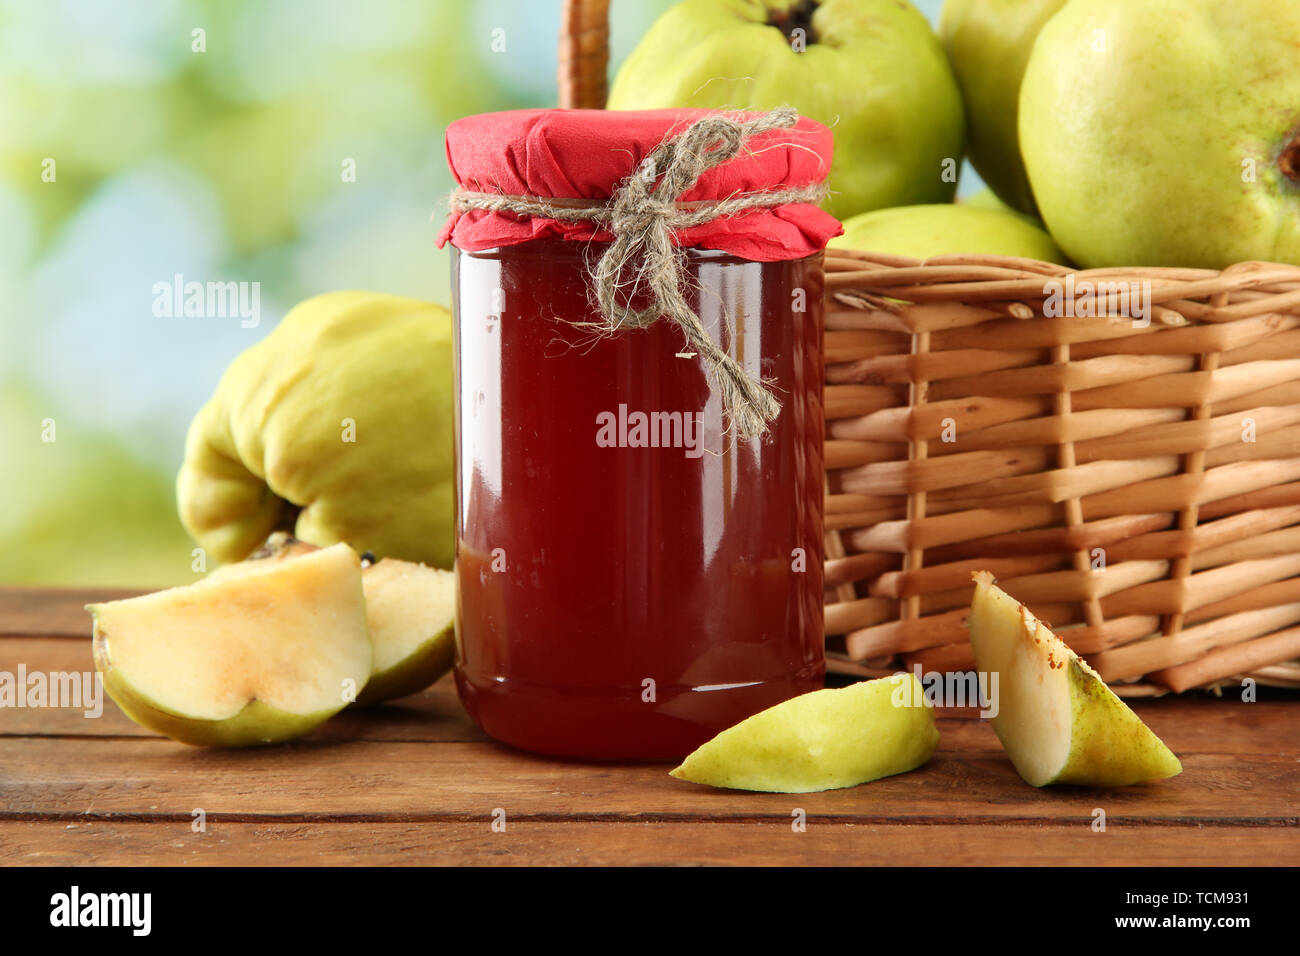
{"points": [[288, 517], [1289, 160], [797, 16]]}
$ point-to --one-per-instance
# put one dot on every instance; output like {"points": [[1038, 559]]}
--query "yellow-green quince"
{"points": [[1166, 132], [338, 426], [988, 43], [873, 70], [945, 229]]}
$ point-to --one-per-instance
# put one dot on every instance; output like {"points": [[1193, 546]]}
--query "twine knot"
{"points": [[642, 215]]}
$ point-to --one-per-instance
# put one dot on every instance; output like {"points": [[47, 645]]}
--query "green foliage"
{"points": [[80, 508], [260, 110]]}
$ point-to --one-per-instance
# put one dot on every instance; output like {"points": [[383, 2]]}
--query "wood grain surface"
{"points": [[417, 783]]}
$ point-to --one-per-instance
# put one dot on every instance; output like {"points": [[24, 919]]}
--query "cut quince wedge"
{"points": [[250, 658], [410, 613], [823, 740], [1056, 717]]}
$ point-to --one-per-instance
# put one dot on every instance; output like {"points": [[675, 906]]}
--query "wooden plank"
{"points": [[156, 779], [1189, 725], [1195, 724], [54, 611], [416, 782], [433, 715], [823, 843]]}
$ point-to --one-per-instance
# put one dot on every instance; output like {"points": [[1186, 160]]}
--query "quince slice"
{"points": [[822, 740], [253, 658], [1056, 717], [411, 610], [410, 613]]}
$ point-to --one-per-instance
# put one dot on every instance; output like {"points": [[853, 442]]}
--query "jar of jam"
{"points": [[636, 572]]}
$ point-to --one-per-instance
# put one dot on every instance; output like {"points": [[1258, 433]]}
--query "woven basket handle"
{"points": [[584, 54]]}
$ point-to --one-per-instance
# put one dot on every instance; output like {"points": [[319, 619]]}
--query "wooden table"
{"points": [[417, 783]]}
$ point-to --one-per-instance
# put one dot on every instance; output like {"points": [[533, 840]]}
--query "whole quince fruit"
{"points": [[337, 426], [1166, 132], [939, 230], [871, 69], [988, 43]]}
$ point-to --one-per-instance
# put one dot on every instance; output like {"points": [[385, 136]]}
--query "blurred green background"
{"points": [[128, 157]]}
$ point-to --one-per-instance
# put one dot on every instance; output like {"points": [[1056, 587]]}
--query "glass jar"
{"points": [[633, 576], [631, 581]]}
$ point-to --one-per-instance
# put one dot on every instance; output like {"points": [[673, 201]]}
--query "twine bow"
{"points": [[642, 216]]}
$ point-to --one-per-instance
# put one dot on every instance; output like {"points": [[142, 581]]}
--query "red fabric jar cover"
{"points": [[585, 154]]}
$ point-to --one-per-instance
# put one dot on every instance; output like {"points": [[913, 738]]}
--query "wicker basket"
{"points": [[1136, 485]]}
